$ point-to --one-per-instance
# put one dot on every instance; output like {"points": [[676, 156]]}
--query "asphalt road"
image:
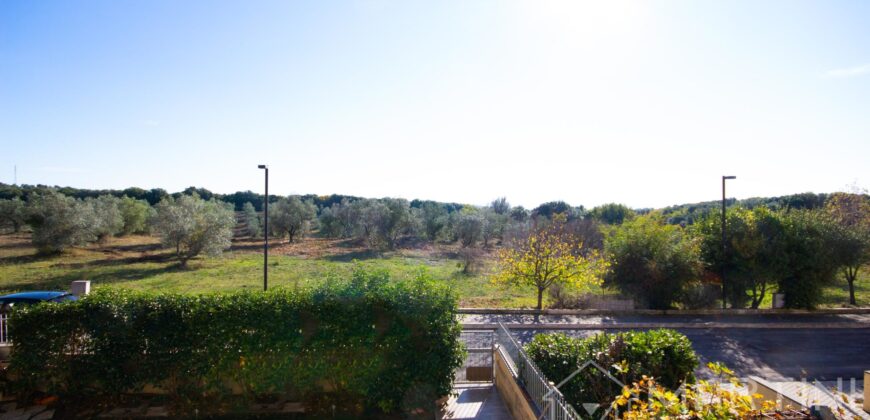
{"points": [[773, 354], [805, 346], [749, 321]]}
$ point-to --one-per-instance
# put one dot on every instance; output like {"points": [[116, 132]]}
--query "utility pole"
{"points": [[266, 232], [724, 246]]}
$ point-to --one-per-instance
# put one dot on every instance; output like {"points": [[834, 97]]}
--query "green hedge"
{"points": [[663, 354], [370, 344]]}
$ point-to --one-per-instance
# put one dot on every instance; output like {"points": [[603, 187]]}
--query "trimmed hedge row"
{"points": [[663, 354], [370, 344]]}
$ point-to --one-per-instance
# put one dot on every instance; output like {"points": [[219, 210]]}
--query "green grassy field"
{"points": [[138, 263]]}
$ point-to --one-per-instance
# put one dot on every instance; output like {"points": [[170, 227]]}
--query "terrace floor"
{"points": [[476, 401]]}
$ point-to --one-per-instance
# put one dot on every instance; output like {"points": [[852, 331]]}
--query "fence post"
{"points": [[80, 287]]}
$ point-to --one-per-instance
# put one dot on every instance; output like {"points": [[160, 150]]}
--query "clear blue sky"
{"points": [[646, 103]]}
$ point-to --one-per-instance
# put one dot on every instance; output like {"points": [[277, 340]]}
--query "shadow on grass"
{"points": [[109, 262], [134, 247], [350, 243], [62, 282], [16, 245], [248, 247], [354, 255], [25, 259]]}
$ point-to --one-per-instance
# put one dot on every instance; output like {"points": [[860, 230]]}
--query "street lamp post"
{"points": [[724, 249], [265, 232]]}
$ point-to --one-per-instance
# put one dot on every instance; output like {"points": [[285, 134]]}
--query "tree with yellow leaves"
{"points": [[547, 256]]}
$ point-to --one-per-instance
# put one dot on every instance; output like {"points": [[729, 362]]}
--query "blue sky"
{"points": [[646, 103]]}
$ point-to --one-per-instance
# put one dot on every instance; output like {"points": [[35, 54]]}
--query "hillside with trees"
{"points": [[799, 245]]}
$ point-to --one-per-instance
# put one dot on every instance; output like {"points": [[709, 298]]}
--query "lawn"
{"points": [[139, 263], [837, 295]]}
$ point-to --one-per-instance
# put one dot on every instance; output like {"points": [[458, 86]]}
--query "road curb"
{"points": [[671, 325], [505, 311]]}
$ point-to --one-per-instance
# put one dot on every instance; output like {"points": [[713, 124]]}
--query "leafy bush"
{"points": [[652, 262], [663, 354], [366, 345], [723, 398], [809, 254]]}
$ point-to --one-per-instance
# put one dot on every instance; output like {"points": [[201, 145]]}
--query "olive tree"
{"points": [[135, 214], [754, 261], [500, 206], [493, 225], [469, 228], [105, 218], [193, 226], [58, 222], [340, 220], [612, 213], [383, 221], [434, 219], [13, 214], [292, 217], [251, 219]]}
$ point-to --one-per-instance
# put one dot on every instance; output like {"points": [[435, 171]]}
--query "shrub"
{"points": [[810, 257], [723, 398], [652, 262], [663, 354], [367, 345]]}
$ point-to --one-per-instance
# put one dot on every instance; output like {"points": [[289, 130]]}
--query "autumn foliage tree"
{"points": [[548, 256]]}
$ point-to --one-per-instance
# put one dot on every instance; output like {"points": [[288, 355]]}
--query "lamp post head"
{"points": [[261, 166], [729, 177]]}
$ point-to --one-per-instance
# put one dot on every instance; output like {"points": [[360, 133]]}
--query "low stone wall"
{"points": [[512, 394]]}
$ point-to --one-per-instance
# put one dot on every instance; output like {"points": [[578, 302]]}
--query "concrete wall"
{"points": [[513, 396], [769, 393], [867, 391]]}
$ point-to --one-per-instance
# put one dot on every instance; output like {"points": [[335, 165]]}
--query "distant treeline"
{"points": [[685, 214], [155, 195]]}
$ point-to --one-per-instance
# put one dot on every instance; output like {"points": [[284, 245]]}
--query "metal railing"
{"points": [[478, 346], [548, 400]]}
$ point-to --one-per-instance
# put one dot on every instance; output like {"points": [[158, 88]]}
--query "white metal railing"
{"points": [[548, 400]]}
